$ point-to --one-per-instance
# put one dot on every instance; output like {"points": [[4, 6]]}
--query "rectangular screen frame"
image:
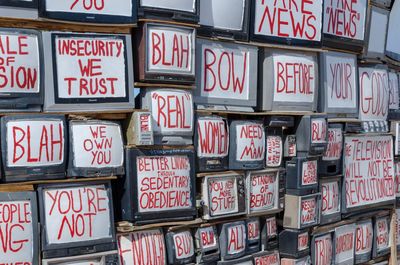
{"points": [[334, 217], [169, 14]]}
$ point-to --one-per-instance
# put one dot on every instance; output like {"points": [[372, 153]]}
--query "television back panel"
{"points": [[302, 211], [322, 249], [269, 233], [382, 233], [93, 11], [363, 250], [267, 27], [253, 235], [344, 244], [176, 10], [331, 161], [33, 147], [103, 258], [302, 175], [180, 247], [19, 8], [266, 257], [232, 240], [226, 76], [274, 147], [294, 243], [96, 149], [288, 80], [393, 37], [330, 189], [102, 81], [312, 134], [207, 245]]}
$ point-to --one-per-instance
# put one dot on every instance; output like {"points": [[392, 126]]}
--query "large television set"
{"points": [[322, 247], [294, 23], [226, 76], [330, 189], [393, 37], [363, 247], [302, 175], [232, 240], [211, 141], [172, 115], [177, 10], [87, 72], [382, 234], [165, 53], [269, 233], [312, 134], [266, 257], [180, 247], [301, 211], [76, 219], [253, 235], [147, 194], [344, 25], [225, 19], [331, 161], [34, 147], [19, 8], [96, 148], [207, 244], [22, 78], [288, 80], [344, 244], [246, 144], [18, 228], [338, 96], [102, 258], [93, 11], [294, 243]]}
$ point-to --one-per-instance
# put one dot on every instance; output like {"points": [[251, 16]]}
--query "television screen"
{"points": [[393, 36], [393, 91], [159, 185], [181, 10], [253, 235], [375, 38], [294, 243], [322, 249], [269, 233], [103, 258], [232, 239], [225, 18], [142, 247], [21, 72], [96, 148], [266, 258], [330, 189], [301, 211], [301, 175], [33, 147], [331, 161], [262, 191], [344, 24], [339, 84], [226, 75], [344, 244], [19, 8], [88, 72], [223, 195], [247, 144], [312, 134], [296, 22], [92, 11], [364, 237], [166, 53], [76, 219], [382, 231], [212, 143], [207, 244], [289, 80], [19, 233], [180, 247], [368, 166]]}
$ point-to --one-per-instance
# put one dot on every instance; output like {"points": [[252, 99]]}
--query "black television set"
{"points": [[180, 247], [92, 11], [364, 240], [331, 161], [294, 243], [102, 258], [177, 10], [19, 8], [311, 134], [76, 219], [330, 189], [301, 211], [87, 72], [96, 148], [232, 240], [392, 49], [301, 175], [34, 147], [382, 233], [207, 244], [147, 194], [253, 235], [322, 246], [19, 231], [344, 240], [269, 233], [266, 258]]}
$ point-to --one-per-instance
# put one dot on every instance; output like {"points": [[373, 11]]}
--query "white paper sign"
{"points": [[16, 232], [274, 151], [296, 19], [142, 247], [223, 196], [253, 230], [222, 14], [268, 259], [330, 198], [35, 143], [182, 5], [263, 191], [19, 64], [344, 243], [250, 142], [309, 173], [382, 233], [345, 19], [208, 238], [77, 214], [368, 170], [393, 91], [272, 230], [323, 250], [184, 246], [364, 236], [374, 93], [335, 145], [90, 67], [309, 211], [164, 183], [236, 239], [172, 111], [213, 138], [302, 241], [97, 145], [318, 131], [294, 78]]}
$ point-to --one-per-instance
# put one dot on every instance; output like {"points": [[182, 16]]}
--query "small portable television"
{"points": [[262, 188], [93, 11], [344, 242], [18, 223], [247, 145], [142, 247], [269, 233], [394, 94], [180, 247], [392, 39], [76, 219], [364, 231], [223, 195], [247, 260], [301, 175], [172, 116], [19, 8], [34, 147], [146, 195], [266, 257], [347, 34], [102, 258], [382, 234], [301, 211], [177, 10], [330, 163], [87, 72], [330, 189], [311, 134], [207, 244], [225, 19], [96, 148], [211, 141], [268, 18], [232, 240], [139, 129], [165, 53], [288, 80], [322, 247], [294, 243], [338, 96], [226, 75], [253, 235]]}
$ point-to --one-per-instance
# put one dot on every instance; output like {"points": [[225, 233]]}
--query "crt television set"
{"points": [[19, 8], [177, 10], [145, 178], [363, 250], [301, 175], [232, 239], [344, 244], [96, 148], [139, 129], [253, 235], [393, 37], [331, 161], [103, 258], [269, 233], [34, 147], [382, 234], [322, 245], [294, 243], [330, 189], [87, 72], [226, 76], [180, 247], [76, 219], [301, 211], [311, 134], [266, 257], [207, 244]]}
